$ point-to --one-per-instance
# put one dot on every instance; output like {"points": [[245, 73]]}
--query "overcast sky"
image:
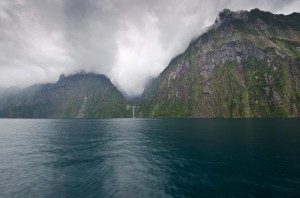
{"points": [[127, 40]]}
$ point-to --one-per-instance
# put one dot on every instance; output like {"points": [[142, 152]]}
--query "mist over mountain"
{"points": [[128, 41], [247, 64], [82, 95]]}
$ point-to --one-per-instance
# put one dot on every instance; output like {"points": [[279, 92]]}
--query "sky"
{"points": [[130, 41]]}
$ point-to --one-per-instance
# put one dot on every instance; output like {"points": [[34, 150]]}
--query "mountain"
{"points": [[246, 65], [83, 95]]}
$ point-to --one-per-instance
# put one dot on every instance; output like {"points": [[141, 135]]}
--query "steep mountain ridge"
{"points": [[246, 65], [84, 95]]}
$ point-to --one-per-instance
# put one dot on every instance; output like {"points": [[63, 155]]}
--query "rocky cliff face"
{"points": [[246, 65], [80, 95]]}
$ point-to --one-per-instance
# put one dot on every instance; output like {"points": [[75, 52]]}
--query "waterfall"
{"points": [[133, 116]]}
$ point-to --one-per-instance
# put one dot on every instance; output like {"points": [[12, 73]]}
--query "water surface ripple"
{"points": [[150, 158]]}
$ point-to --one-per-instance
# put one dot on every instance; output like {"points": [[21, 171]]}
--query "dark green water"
{"points": [[150, 158]]}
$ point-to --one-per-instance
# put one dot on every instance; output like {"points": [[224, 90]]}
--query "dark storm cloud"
{"points": [[128, 40]]}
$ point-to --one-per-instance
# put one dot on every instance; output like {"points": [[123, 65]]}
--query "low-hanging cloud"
{"points": [[130, 41]]}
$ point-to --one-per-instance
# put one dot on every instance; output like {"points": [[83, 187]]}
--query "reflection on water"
{"points": [[149, 158]]}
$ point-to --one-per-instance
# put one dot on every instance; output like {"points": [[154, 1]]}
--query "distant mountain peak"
{"points": [[226, 16], [81, 74], [80, 95]]}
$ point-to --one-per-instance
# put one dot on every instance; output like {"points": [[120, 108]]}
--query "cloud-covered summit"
{"points": [[128, 40]]}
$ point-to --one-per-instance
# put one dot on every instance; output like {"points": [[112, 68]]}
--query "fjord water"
{"points": [[150, 158]]}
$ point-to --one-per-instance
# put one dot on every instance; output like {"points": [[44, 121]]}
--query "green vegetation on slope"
{"points": [[246, 65], [65, 98]]}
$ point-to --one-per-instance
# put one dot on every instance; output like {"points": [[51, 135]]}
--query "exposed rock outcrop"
{"points": [[246, 65]]}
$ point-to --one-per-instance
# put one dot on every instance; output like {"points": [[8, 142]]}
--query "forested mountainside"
{"points": [[246, 65], [83, 95]]}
